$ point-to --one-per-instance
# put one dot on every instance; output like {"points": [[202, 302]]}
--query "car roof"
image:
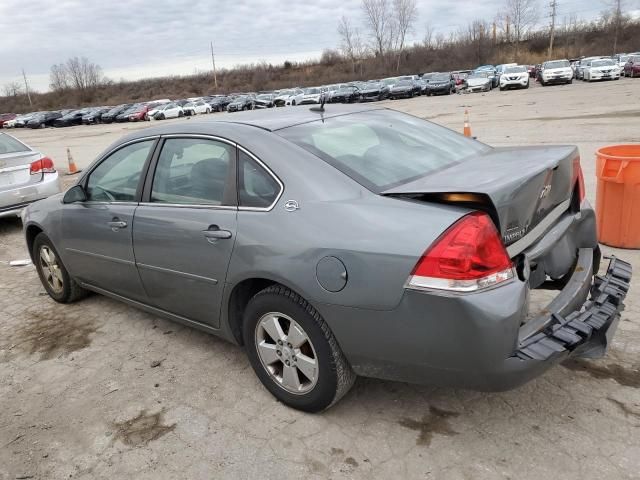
{"points": [[264, 119]]}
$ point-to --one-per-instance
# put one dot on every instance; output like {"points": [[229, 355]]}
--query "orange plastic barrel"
{"points": [[618, 195]]}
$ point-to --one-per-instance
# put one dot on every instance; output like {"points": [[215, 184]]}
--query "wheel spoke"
{"points": [[272, 326], [45, 256], [307, 366], [268, 353], [290, 377], [296, 336]]}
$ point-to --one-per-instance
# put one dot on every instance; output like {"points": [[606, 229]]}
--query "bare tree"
{"points": [[406, 14], [427, 40], [83, 74], [350, 42], [12, 89], [58, 78], [616, 19], [477, 35], [523, 14], [379, 23]]}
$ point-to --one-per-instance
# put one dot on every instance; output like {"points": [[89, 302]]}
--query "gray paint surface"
{"points": [[385, 330]]}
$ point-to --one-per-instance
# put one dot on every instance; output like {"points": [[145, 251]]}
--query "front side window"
{"points": [[192, 171], [116, 178], [256, 187]]}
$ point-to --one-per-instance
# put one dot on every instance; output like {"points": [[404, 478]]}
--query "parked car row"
{"points": [[482, 79]]}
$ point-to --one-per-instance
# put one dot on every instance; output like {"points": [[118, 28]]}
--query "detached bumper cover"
{"points": [[588, 330]]}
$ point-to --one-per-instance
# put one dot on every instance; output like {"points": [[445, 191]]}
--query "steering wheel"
{"points": [[106, 192]]}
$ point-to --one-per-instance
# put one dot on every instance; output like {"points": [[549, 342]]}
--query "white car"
{"points": [[312, 95], [291, 97], [168, 110], [601, 69], [193, 108], [556, 71], [516, 76]]}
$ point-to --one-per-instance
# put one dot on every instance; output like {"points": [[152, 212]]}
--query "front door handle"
{"points": [[214, 233], [116, 224]]}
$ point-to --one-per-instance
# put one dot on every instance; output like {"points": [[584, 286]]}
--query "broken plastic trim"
{"points": [[584, 330]]}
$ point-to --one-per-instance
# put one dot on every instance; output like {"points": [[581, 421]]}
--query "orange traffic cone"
{"points": [[467, 128], [72, 165]]}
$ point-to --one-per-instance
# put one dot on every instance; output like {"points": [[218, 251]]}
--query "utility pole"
{"points": [[617, 17], [26, 88], [213, 61], [494, 33], [553, 5]]}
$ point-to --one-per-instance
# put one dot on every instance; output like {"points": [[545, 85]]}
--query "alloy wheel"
{"points": [[286, 353], [51, 269]]}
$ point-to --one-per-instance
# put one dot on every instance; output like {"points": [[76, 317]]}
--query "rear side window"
{"points": [[192, 171], [381, 149], [9, 144], [256, 187]]}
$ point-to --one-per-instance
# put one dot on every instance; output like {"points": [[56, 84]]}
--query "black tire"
{"points": [[180, 114], [160, 117], [71, 291], [502, 89], [527, 85], [335, 376], [570, 82]]}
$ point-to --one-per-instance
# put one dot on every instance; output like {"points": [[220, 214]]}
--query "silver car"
{"points": [[339, 242], [25, 176]]}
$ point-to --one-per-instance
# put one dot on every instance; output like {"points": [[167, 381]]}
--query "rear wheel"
{"points": [[293, 351], [52, 272]]}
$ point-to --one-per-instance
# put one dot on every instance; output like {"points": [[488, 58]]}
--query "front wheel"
{"points": [[52, 272], [293, 352]]}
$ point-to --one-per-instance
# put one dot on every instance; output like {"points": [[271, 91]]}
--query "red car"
{"points": [[4, 117], [139, 114], [632, 67]]}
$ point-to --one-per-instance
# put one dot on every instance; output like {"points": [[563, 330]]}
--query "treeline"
{"points": [[478, 43]]}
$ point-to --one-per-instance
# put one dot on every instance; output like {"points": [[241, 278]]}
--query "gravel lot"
{"points": [[100, 390]]}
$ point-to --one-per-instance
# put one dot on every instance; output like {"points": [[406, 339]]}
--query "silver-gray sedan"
{"points": [[25, 176], [341, 241]]}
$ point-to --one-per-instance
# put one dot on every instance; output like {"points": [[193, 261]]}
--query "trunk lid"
{"points": [[15, 169], [520, 186]]}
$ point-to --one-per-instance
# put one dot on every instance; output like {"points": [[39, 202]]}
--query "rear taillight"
{"points": [[467, 257], [44, 165]]}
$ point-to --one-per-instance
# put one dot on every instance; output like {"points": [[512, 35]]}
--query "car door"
{"points": [[97, 233], [185, 228]]}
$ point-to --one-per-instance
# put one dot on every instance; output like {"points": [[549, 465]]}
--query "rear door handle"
{"points": [[214, 233]]}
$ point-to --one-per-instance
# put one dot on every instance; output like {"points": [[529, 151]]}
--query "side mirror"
{"points": [[75, 194]]}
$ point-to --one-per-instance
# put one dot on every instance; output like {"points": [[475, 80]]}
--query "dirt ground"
{"points": [[99, 390]]}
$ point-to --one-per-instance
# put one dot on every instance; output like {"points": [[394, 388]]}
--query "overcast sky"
{"points": [[139, 38]]}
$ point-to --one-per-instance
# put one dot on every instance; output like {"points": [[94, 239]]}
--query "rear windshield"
{"points": [[9, 144], [381, 149]]}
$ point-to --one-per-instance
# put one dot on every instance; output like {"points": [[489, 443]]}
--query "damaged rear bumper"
{"points": [[586, 330]]}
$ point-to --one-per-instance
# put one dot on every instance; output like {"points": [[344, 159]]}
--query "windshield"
{"points": [[264, 97], [602, 63], [403, 83], [624, 58], [518, 69], [284, 93], [557, 64], [440, 77], [390, 81], [478, 75], [311, 91], [9, 144], [382, 148], [373, 85]]}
